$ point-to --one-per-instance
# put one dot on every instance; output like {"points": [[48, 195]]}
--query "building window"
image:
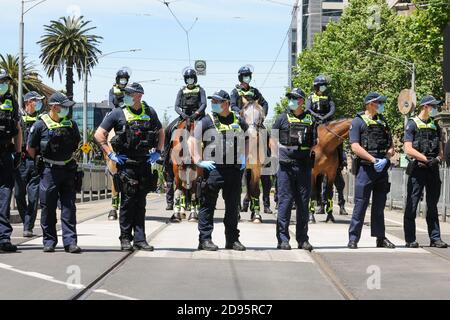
{"points": [[331, 12]]}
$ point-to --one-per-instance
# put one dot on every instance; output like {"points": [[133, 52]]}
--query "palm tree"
{"points": [[66, 45], [31, 78]]}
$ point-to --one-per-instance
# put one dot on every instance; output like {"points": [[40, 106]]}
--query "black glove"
{"points": [[433, 162], [17, 158]]}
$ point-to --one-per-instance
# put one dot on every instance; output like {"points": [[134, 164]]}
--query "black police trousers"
{"points": [[419, 179], [170, 179], [227, 178], [58, 182], [6, 186], [27, 186]]}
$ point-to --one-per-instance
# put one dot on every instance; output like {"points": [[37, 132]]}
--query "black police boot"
{"points": [[125, 245], [330, 218], [306, 246], [267, 210], [73, 248], [8, 247], [49, 249], [28, 234], [112, 215], [176, 218], [385, 243], [284, 246], [342, 210], [193, 217], [244, 208], [143, 246], [207, 245], [352, 245], [438, 244], [169, 207], [412, 245], [236, 246]]}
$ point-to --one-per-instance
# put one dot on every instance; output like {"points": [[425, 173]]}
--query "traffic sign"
{"points": [[86, 148], [200, 67]]}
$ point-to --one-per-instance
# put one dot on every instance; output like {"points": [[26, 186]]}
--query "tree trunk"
{"points": [[69, 83]]}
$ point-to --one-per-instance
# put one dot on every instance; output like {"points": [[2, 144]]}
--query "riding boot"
{"points": [[312, 211]]}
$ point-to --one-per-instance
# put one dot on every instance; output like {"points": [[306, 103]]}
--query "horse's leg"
{"points": [[312, 201], [115, 197], [329, 197], [321, 197], [246, 202], [254, 193]]}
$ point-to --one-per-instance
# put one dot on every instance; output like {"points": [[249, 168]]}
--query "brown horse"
{"points": [[331, 136], [254, 116], [186, 173], [112, 168]]}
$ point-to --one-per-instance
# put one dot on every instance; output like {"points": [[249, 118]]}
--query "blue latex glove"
{"points": [[243, 162], [117, 158], [208, 165], [380, 165], [153, 157]]}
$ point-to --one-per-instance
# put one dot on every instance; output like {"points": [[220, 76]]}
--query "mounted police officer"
{"points": [[117, 92], [10, 157], [52, 141], [297, 137], [221, 133], [423, 144], [190, 103], [27, 177], [321, 105], [243, 89], [371, 141], [136, 147]]}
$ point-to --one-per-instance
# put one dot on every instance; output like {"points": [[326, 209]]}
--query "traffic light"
{"points": [[446, 64]]}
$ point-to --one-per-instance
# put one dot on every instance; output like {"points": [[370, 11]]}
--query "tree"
{"points": [[67, 46], [31, 78], [340, 52]]}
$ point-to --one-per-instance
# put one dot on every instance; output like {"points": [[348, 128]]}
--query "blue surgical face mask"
{"points": [[247, 79], [63, 113], [190, 81], [123, 81], [128, 100], [293, 104], [3, 88], [380, 109], [216, 107], [323, 88], [38, 106], [434, 112]]}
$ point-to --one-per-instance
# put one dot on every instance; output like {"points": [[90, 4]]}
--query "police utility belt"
{"points": [[53, 163]]}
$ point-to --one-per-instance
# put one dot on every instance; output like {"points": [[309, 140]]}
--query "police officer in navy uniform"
{"points": [[26, 176], [297, 137], [243, 89], [117, 92], [371, 141], [423, 143], [52, 141], [190, 103], [10, 157], [137, 146], [321, 105], [226, 128]]}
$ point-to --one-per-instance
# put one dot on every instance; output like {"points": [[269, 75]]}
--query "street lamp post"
{"points": [[21, 47], [85, 100]]}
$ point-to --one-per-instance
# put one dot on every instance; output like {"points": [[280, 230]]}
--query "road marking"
{"points": [[106, 292]]}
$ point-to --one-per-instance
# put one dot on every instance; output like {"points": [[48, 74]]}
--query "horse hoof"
{"points": [[183, 216], [193, 217], [257, 219], [112, 215], [175, 219], [330, 218], [244, 209]]}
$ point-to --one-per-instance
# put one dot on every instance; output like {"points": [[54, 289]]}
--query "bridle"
{"points": [[334, 133]]}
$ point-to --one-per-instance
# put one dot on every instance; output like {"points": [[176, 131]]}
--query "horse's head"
{"points": [[253, 113]]}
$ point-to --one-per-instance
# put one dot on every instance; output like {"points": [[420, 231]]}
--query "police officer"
{"points": [[10, 157], [243, 89], [52, 141], [26, 177], [423, 144], [321, 105], [224, 129], [137, 146], [190, 103], [116, 93], [371, 141], [297, 137]]}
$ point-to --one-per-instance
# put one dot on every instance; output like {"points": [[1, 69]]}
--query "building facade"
{"points": [[95, 114]]}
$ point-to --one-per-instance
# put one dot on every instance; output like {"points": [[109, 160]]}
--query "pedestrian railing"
{"points": [[397, 197]]}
